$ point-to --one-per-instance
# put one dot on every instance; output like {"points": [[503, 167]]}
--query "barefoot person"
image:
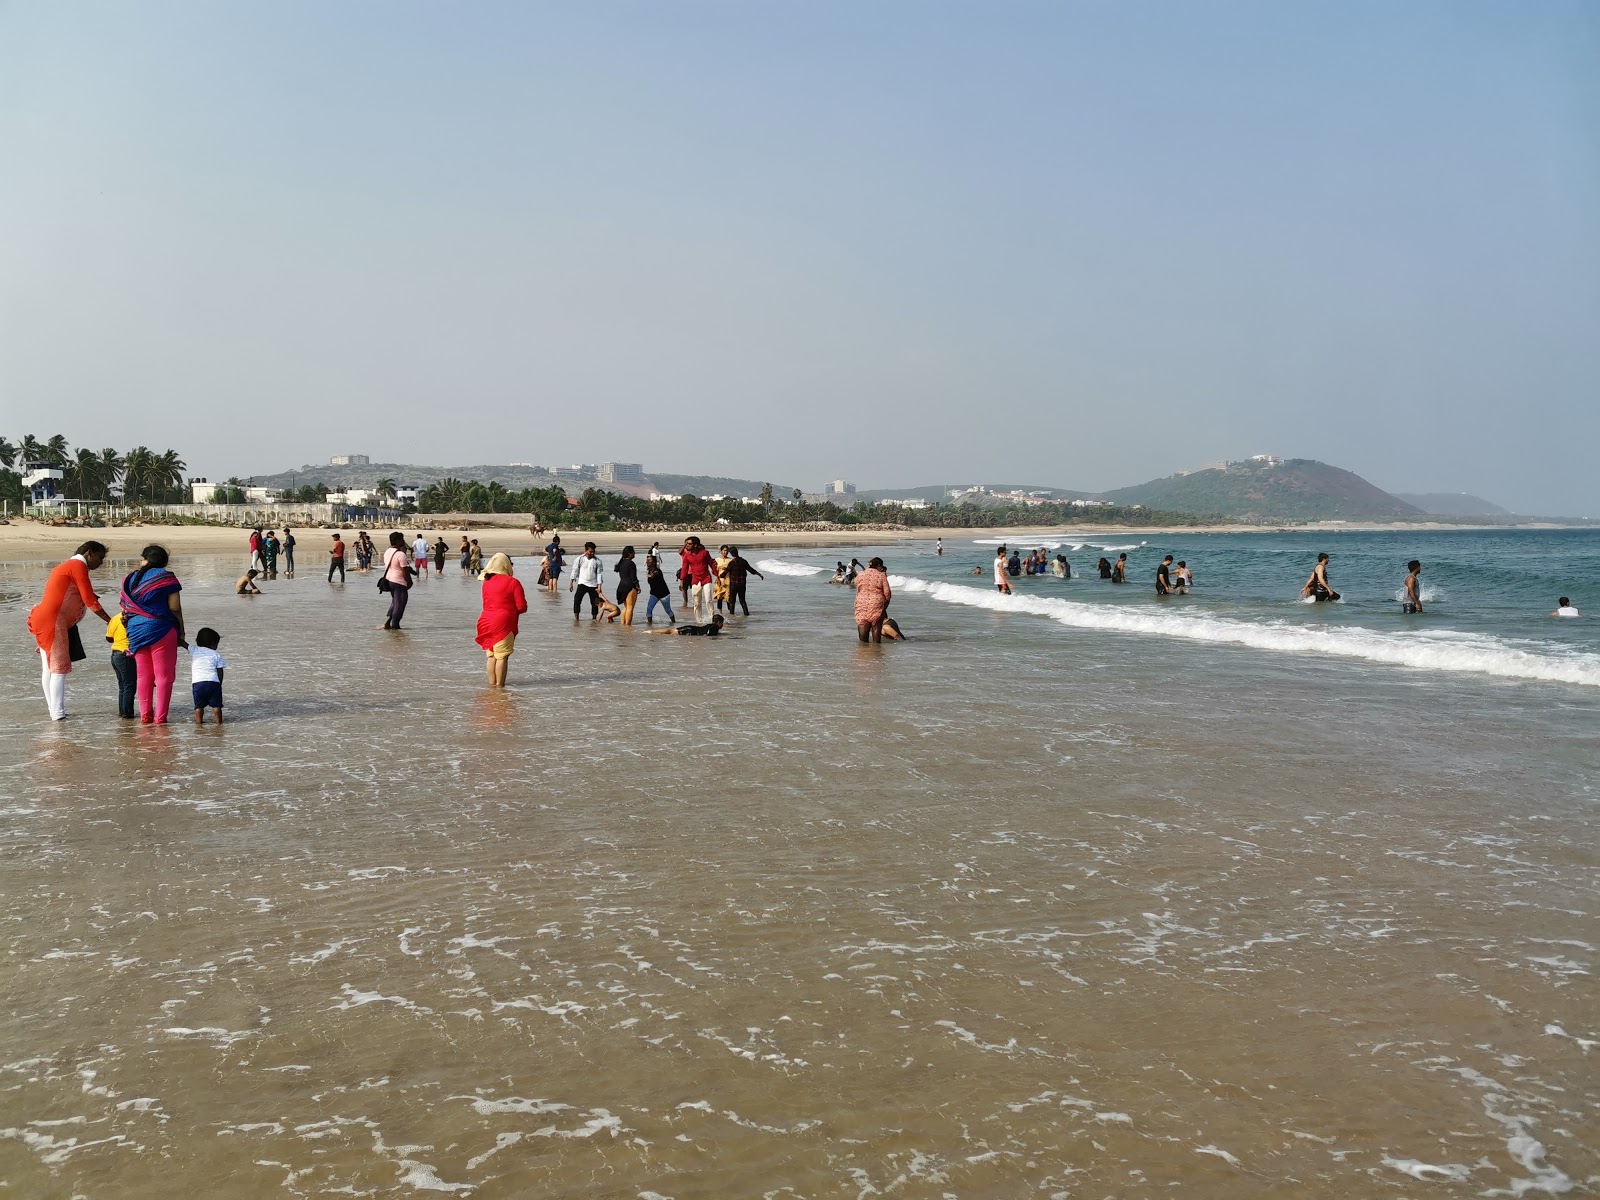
{"points": [[660, 591], [206, 668], [627, 571], [872, 601], [68, 594], [711, 629], [737, 576], [396, 579], [336, 554], [154, 617], [503, 601], [245, 585], [587, 573]]}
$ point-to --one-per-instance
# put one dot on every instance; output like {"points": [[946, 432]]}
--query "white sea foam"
{"points": [[1434, 650], [779, 566]]}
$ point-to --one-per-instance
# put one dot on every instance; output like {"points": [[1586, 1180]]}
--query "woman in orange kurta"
{"points": [[68, 594]]}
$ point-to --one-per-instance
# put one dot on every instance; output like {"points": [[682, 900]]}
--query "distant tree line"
{"points": [[137, 476], [597, 507]]}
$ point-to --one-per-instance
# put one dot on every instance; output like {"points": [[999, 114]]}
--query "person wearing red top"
{"points": [[503, 600], [68, 594], [700, 573]]}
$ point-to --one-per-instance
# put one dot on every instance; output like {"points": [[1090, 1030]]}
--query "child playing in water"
{"points": [[206, 667]]}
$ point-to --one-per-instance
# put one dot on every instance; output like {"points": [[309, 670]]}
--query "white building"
{"points": [[912, 503], [202, 491], [1091, 504], [406, 493], [664, 496], [262, 495], [350, 460], [615, 472], [840, 487]]}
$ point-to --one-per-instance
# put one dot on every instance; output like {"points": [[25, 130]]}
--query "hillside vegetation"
{"points": [[1453, 504], [1296, 489]]}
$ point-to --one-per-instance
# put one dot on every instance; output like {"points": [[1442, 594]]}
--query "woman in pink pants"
{"points": [[154, 618]]}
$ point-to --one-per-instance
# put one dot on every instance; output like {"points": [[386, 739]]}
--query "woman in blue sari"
{"points": [[153, 615]]}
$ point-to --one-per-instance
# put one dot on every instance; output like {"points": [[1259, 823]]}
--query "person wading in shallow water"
{"points": [[68, 594], [503, 600], [872, 601], [396, 578], [1317, 587]]}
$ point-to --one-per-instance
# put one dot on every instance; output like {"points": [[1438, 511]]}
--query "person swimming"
{"points": [[1564, 609]]}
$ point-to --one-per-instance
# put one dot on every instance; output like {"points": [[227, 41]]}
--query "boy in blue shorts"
{"points": [[206, 667]]}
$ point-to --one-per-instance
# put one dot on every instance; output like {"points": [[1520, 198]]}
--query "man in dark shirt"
{"points": [[1164, 577], [737, 573]]}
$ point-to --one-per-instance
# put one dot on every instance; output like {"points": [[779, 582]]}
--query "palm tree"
{"points": [[57, 450], [112, 465], [8, 454], [384, 489], [136, 474], [31, 450], [168, 469], [83, 473]]}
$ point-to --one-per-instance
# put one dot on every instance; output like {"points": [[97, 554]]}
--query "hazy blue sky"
{"points": [[1070, 243]]}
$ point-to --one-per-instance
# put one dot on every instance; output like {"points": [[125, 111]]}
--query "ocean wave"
{"points": [[778, 566], [1441, 650]]}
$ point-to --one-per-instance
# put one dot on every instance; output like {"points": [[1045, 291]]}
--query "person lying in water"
{"points": [[246, 585], [711, 630]]}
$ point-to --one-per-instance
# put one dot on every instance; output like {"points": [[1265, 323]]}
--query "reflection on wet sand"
{"points": [[790, 915]]}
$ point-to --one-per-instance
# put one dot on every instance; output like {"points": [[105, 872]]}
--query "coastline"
{"points": [[34, 541]]}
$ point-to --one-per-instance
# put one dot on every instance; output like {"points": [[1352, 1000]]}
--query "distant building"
{"points": [[915, 502], [615, 472], [840, 487], [664, 496], [1270, 460], [202, 491], [1091, 504], [406, 493], [262, 495], [350, 460]]}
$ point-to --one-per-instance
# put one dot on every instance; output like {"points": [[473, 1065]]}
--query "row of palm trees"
{"points": [[139, 476]]}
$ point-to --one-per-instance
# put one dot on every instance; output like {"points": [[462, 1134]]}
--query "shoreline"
{"points": [[32, 541]]}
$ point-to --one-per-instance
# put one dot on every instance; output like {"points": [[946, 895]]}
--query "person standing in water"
{"points": [[1164, 577], [627, 571], [466, 554], [288, 552], [737, 573], [938, 547], [68, 594], [1413, 588], [503, 601], [153, 614], [1564, 609], [1002, 577], [700, 572], [1317, 587], [1119, 571], [660, 591], [441, 551], [397, 576], [419, 555], [1185, 579], [554, 560], [336, 558], [587, 573], [872, 600]]}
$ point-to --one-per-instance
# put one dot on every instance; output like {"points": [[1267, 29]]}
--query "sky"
{"points": [[1072, 244]]}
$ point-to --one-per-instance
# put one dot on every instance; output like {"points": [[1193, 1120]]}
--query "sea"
{"points": [[1080, 892]]}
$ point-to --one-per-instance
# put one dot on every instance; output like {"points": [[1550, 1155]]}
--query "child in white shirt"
{"points": [[206, 668]]}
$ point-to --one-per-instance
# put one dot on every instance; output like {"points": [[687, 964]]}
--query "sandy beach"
{"points": [[35, 541]]}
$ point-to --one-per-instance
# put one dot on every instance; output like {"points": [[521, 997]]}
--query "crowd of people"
{"points": [[147, 630]]}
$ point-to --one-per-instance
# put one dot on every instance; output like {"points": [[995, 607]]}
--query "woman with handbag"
{"points": [[396, 578]]}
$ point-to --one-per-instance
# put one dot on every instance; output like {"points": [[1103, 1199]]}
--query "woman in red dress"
{"points": [[503, 600]]}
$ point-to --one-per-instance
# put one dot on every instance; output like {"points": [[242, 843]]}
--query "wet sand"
{"points": [[783, 915]]}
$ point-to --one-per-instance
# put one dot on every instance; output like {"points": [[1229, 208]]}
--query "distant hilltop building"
{"points": [[840, 487], [1269, 460], [350, 460], [615, 472]]}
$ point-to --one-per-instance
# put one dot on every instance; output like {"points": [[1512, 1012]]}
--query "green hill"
{"points": [[1295, 489]]}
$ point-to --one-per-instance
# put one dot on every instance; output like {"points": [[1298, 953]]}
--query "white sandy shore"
{"points": [[35, 541]]}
